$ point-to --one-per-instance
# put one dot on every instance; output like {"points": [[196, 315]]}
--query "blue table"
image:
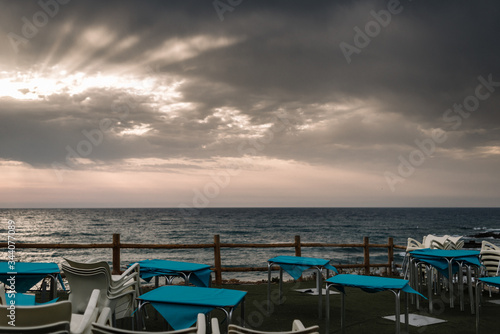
{"points": [[295, 265], [368, 284], [27, 274], [493, 281], [447, 262], [198, 274], [180, 304]]}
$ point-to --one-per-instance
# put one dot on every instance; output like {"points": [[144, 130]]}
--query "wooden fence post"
{"points": [[366, 254], [390, 255], [116, 254], [217, 260], [298, 249]]}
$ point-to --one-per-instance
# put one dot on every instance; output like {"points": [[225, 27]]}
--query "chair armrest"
{"points": [[215, 326], [201, 324], [105, 317], [297, 325], [90, 314]]}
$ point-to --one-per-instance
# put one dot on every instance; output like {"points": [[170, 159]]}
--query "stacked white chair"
{"points": [[129, 278], [490, 259], [120, 298]]}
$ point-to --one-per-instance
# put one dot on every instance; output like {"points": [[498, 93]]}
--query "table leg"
{"points": [[478, 292], [140, 316], [327, 309], [319, 284], [281, 286], [469, 281], [186, 277], [429, 269], [461, 286], [243, 312], [268, 288], [407, 318], [53, 286], [411, 276], [342, 312], [450, 282], [418, 279], [398, 310]]}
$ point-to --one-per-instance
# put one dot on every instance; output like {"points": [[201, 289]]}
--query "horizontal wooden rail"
{"points": [[217, 247]]}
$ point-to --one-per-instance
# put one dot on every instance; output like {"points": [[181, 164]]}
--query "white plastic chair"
{"points": [[100, 327], [435, 242], [51, 318], [130, 277], [454, 243], [413, 244], [490, 259], [120, 301], [81, 323], [297, 328], [56, 328]]}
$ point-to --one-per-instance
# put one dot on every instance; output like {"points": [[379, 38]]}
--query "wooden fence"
{"points": [[217, 247]]}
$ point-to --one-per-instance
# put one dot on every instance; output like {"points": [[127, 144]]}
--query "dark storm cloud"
{"points": [[272, 58]]}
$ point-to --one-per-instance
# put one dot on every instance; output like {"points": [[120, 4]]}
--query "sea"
{"points": [[238, 225]]}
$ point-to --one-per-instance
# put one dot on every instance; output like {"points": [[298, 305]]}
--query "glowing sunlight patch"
{"points": [[137, 130]]}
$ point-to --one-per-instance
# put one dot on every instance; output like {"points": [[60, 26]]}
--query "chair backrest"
{"points": [[199, 328], [82, 285], [454, 243], [436, 242], [490, 258], [413, 245], [62, 327], [3, 300], [41, 315], [297, 328], [486, 245], [89, 265]]}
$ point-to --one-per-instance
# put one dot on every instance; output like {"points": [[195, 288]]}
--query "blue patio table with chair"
{"points": [[180, 304], [27, 274], [493, 281], [195, 273], [447, 262], [368, 284], [295, 266]]}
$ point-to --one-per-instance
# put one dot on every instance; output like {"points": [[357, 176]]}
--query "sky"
{"points": [[239, 103]]}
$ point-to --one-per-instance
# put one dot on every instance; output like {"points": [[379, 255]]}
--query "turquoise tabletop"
{"points": [[295, 265], [200, 273], [180, 304], [495, 281], [27, 274], [371, 283]]}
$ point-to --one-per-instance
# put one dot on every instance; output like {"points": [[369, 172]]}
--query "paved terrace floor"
{"points": [[364, 312]]}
